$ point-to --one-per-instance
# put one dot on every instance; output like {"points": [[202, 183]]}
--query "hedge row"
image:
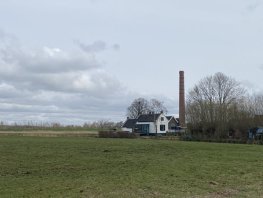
{"points": [[117, 134], [233, 141]]}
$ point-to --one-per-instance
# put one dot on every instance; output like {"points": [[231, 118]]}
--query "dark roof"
{"points": [[168, 117], [129, 123], [148, 117]]}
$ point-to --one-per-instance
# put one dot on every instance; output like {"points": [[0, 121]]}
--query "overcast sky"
{"points": [[76, 61]]}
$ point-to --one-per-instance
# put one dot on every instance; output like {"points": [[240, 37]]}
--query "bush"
{"points": [[116, 134], [198, 138], [260, 142], [186, 137]]}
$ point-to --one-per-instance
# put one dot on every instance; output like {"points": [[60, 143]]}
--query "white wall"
{"points": [[151, 126], [164, 122], [126, 129]]}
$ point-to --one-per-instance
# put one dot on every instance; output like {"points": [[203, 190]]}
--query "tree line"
{"points": [[102, 124], [218, 106]]}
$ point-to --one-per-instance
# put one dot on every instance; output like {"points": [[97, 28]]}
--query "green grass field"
{"points": [[94, 167]]}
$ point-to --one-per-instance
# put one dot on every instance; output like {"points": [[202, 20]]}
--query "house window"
{"points": [[142, 128], [145, 128], [162, 127], [162, 118]]}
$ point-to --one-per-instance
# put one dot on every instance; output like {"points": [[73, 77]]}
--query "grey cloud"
{"points": [[50, 84], [8, 91], [7, 39], [97, 46], [116, 47], [48, 60], [68, 109], [55, 69], [96, 83], [7, 107], [253, 6]]}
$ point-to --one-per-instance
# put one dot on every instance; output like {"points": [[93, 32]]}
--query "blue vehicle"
{"points": [[255, 133]]}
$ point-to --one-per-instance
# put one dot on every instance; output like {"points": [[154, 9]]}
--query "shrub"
{"points": [[116, 134], [198, 138]]}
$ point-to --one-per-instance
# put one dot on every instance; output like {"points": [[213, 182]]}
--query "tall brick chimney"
{"points": [[181, 99]]}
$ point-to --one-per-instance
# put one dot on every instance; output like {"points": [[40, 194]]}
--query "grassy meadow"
{"points": [[97, 167]]}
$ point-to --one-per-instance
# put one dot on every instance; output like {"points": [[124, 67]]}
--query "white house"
{"points": [[151, 124]]}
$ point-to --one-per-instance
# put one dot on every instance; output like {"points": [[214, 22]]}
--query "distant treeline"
{"points": [[56, 126], [219, 107]]}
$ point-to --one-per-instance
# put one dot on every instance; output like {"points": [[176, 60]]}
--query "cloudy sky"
{"points": [[76, 61]]}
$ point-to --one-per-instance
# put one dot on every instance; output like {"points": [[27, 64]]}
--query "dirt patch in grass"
{"points": [[221, 194]]}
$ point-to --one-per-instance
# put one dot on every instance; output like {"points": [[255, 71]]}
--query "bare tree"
{"points": [[138, 107], [157, 106], [257, 104], [256, 109], [211, 101], [142, 106]]}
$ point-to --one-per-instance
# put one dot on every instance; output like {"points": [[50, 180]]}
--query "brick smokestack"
{"points": [[181, 99]]}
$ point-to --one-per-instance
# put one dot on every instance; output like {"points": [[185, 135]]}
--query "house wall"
{"points": [[151, 126], [160, 122], [126, 129], [171, 124]]}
